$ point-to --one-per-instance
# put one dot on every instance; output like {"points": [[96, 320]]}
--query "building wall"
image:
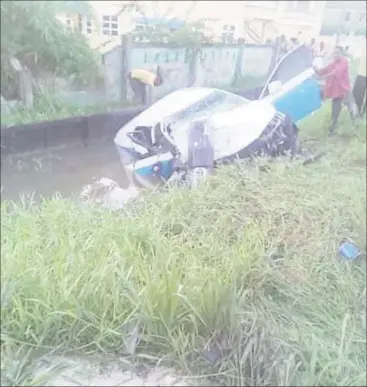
{"points": [[344, 17], [267, 19], [300, 19], [108, 14]]}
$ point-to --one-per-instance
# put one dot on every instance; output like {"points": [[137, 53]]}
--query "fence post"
{"points": [[238, 71], [193, 54], [126, 46]]}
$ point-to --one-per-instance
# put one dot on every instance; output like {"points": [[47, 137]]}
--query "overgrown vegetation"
{"points": [[162, 31], [48, 108], [238, 282], [188, 35], [42, 44]]}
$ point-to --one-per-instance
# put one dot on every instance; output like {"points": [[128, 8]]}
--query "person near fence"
{"points": [[360, 84], [312, 47], [142, 82], [319, 58], [293, 43], [337, 87]]}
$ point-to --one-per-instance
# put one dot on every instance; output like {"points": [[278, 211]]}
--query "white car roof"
{"points": [[168, 105], [173, 103]]}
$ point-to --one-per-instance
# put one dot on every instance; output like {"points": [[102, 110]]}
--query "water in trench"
{"points": [[63, 171]]}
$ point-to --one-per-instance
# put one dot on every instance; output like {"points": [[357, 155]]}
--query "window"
{"points": [[347, 16], [294, 64], [301, 6], [264, 4], [140, 27], [69, 24], [362, 17], [217, 101], [229, 27], [228, 33], [110, 25], [88, 26]]}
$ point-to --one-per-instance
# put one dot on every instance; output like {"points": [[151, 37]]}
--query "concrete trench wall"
{"points": [[82, 130]]}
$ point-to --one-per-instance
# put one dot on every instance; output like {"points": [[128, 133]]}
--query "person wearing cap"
{"points": [[142, 83]]}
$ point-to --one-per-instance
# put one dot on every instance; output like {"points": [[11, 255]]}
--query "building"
{"points": [[344, 17], [294, 19], [107, 22], [257, 21], [254, 21], [111, 19]]}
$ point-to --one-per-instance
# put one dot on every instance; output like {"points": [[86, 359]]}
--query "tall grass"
{"points": [[237, 282], [48, 107]]}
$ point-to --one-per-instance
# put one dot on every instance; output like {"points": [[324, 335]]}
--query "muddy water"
{"points": [[64, 171]]}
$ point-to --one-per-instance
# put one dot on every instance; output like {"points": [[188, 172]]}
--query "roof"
{"points": [[154, 21]]}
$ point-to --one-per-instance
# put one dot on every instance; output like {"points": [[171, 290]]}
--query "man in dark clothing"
{"points": [[359, 88]]}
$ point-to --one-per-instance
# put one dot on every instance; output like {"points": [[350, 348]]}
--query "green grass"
{"points": [[246, 265], [48, 108]]}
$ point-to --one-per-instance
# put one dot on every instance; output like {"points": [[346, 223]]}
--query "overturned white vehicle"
{"points": [[190, 131]]}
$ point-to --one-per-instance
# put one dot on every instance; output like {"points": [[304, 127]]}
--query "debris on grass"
{"points": [[233, 283]]}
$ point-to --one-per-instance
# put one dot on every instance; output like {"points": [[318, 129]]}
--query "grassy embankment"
{"points": [[48, 108], [247, 263]]}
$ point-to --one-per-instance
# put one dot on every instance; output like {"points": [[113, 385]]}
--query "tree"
{"points": [[32, 34], [188, 34]]}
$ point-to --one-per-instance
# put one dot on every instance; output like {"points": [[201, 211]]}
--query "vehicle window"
{"points": [[295, 63], [292, 65], [215, 102]]}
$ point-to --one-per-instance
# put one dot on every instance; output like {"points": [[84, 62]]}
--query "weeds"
{"points": [[237, 282], [49, 108]]}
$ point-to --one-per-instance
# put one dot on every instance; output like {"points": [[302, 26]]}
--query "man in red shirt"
{"points": [[337, 86]]}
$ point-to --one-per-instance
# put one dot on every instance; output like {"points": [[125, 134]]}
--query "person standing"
{"points": [[312, 47], [293, 43], [320, 56], [142, 83], [360, 84], [346, 51], [283, 45], [337, 86]]}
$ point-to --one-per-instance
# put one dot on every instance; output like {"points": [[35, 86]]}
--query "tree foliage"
{"points": [[31, 32], [187, 35], [190, 34]]}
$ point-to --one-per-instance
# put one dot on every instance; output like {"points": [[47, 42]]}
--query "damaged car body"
{"points": [[190, 131]]}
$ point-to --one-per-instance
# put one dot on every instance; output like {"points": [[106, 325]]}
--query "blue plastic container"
{"points": [[349, 251]]}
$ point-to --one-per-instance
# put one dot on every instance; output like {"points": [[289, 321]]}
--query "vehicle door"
{"points": [[293, 87]]}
